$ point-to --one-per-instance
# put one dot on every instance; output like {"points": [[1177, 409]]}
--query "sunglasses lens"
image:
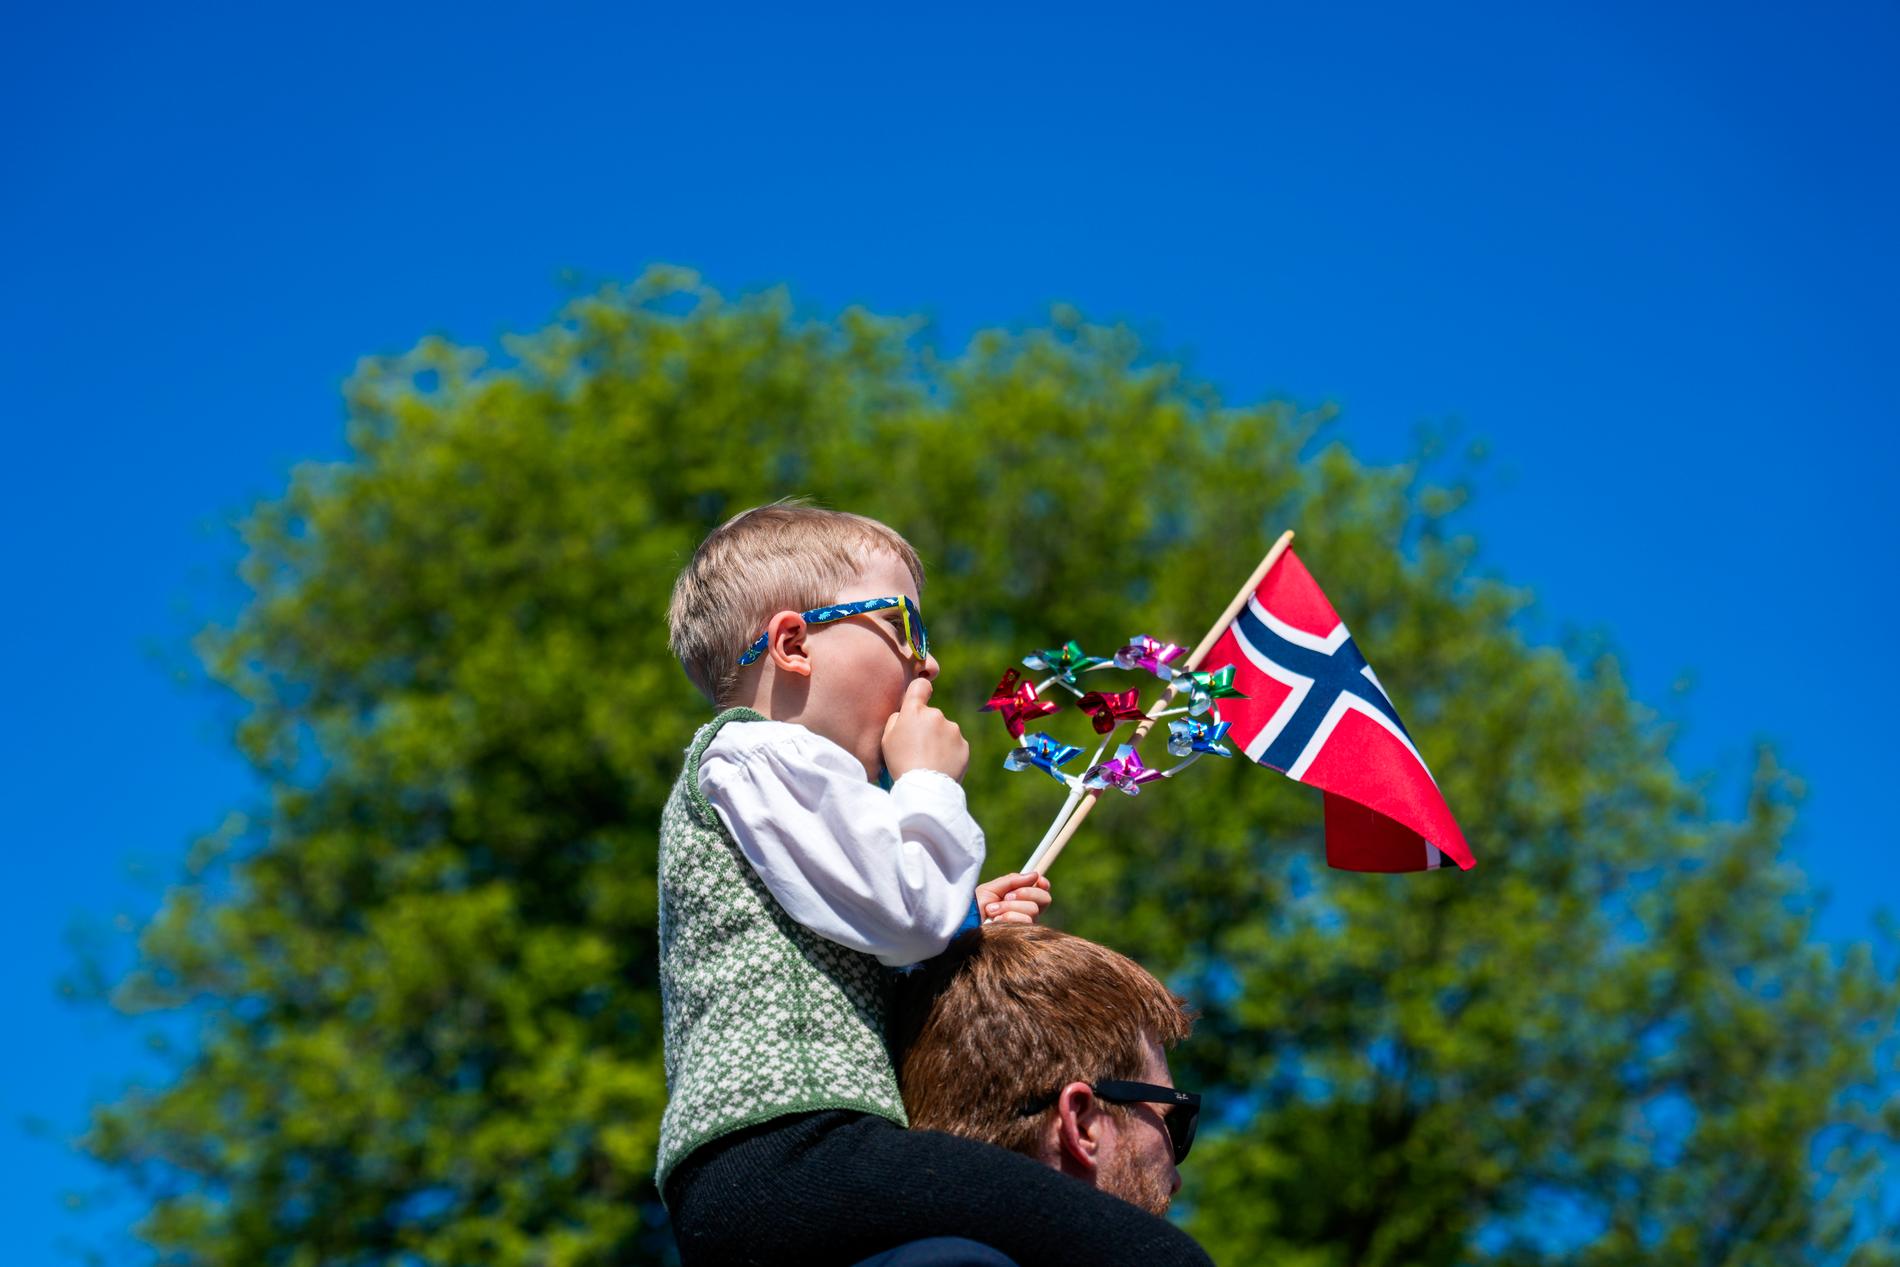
{"points": [[1181, 1123], [914, 635]]}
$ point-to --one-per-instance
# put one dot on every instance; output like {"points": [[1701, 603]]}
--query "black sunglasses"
{"points": [[1181, 1119]]}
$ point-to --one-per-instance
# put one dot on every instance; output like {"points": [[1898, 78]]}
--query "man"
{"points": [[1051, 1046]]}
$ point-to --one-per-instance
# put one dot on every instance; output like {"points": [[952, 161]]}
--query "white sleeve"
{"points": [[888, 873]]}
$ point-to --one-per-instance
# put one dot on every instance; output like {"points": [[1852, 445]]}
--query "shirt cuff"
{"points": [[927, 775]]}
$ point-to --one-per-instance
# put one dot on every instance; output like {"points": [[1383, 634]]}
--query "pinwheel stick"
{"points": [[1077, 807]]}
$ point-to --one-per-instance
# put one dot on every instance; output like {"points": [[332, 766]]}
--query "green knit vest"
{"points": [[763, 1016]]}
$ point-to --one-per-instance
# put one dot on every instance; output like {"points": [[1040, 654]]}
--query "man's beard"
{"points": [[1123, 1176]]}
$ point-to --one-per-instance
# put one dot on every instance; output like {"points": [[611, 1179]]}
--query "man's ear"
{"points": [[1079, 1121], [785, 643]]}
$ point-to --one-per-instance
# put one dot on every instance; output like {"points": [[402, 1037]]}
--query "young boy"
{"points": [[789, 881]]}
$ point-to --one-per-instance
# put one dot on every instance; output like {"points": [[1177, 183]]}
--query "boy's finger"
{"points": [[917, 694]]}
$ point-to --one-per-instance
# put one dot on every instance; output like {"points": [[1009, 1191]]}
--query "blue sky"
{"points": [[1647, 255]]}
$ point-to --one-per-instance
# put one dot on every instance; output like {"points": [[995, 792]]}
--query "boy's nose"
{"points": [[931, 668]]}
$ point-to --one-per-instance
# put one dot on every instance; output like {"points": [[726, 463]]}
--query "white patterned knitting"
{"points": [[763, 1017]]}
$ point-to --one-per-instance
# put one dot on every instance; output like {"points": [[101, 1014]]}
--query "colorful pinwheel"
{"points": [[1196, 728], [1143, 652], [1065, 661], [1109, 709], [1043, 753], [1018, 702], [1124, 771], [1205, 688], [1188, 735]]}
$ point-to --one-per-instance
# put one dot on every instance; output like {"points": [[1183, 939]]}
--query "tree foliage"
{"points": [[423, 976]]}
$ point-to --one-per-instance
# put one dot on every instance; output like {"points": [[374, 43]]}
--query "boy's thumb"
{"points": [[917, 694]]}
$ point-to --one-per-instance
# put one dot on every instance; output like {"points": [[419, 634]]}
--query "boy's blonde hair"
{"points": [[784, 557]]}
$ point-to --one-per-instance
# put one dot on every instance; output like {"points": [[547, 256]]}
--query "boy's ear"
{"points": [[785, 643]]}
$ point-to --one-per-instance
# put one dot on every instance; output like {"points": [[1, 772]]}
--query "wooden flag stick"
{"points": [[1051, 848]]}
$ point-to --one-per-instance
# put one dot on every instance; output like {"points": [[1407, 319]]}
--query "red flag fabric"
{"points": [[1316, 712]]}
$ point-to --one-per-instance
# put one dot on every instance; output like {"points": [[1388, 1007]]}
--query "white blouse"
{"points": [[888, 873]]}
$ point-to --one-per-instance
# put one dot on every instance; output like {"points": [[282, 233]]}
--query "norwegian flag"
{"points": [[1316, 712]]}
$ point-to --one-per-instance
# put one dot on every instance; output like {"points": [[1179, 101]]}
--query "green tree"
{"points": [[422, 975]]}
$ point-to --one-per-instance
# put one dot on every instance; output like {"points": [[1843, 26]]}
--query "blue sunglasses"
{"points": [[916, 640]]}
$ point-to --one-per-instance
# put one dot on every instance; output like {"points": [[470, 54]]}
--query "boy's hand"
{"points": [[1016, 898], [919, 737]]}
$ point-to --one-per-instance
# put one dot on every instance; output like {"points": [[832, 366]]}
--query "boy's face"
{"points": [[859, 669]]}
